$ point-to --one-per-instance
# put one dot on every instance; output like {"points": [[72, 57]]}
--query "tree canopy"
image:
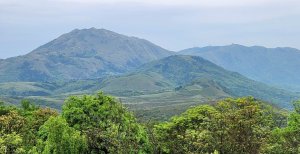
{"points": [[108, 125], [100, 124]]}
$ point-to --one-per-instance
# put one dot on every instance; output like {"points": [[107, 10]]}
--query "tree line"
{"points": [[96, 124]]}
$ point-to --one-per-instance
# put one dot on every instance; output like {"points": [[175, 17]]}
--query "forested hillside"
{"points": [[100, 124]]}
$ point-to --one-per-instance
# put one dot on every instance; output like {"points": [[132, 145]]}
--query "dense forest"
{"points": [[100, 124]]}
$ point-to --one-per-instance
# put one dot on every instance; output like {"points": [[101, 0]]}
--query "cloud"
{"points": [[177, 3], [174, 24], [209, 11], [198, 3]]}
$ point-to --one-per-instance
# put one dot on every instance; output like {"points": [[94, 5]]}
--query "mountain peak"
{"points": [[92, 32], [236, 45], [92, 39], [90, 29], [92, 52]]}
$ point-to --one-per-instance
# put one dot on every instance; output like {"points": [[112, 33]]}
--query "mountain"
{"points": [[190, 76], [275, 66], [171, 80], [158, 89], [81, 54]]}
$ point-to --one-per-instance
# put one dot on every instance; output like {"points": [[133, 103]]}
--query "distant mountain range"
{"points": [[179, 76], [81, 54], [275, 66], [145, 76]]}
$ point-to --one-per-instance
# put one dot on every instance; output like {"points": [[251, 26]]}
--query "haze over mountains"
{"points": [[146, 75], [276, 66], [81, 54]]}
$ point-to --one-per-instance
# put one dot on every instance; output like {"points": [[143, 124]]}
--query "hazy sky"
{"points": [[172, 24]]}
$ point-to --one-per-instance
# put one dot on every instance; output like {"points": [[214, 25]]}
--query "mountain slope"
{"points": [[81, 54], [159, 89], [193, 75], [275, 66]]}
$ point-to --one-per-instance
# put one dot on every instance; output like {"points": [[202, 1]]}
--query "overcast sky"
{"points": [[172, 24]]}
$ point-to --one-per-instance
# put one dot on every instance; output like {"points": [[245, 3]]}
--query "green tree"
{"points": [[11, 144], [26, 104], [286, 140], [11, 122], [4, 109], [56, 137], [235, 126], [22, 124], [109, 127], [34, 120], [191, 132], [245, 125], [297, 106]]}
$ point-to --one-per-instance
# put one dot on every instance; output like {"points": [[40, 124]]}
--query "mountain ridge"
{"points": [[87, 60], [275, 66], [92, 52], [171, 83], [180, 71]]}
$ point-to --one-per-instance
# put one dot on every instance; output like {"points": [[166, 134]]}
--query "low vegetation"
{"points": [[100, 124]]}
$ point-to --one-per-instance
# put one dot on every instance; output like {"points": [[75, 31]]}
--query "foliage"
{"points": [[109, 127], [190, 132], [57, 137], [11, 122], [100, 124], [19, 126], [11, 143], [232, 126], [286, 140]]}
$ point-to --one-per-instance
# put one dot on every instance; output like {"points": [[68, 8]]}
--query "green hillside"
{"points": [[197, 76], [159, 89]]}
